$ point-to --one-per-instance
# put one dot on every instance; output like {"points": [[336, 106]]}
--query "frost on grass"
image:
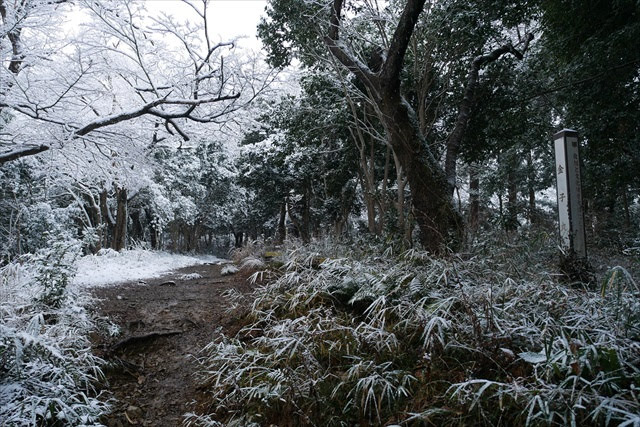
{"points": [[229, 269], [384, 338], [252, 263], [47, 370]]}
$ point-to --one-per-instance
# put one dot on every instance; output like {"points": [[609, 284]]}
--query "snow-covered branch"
{"points": [[20, 152], [123, 68]]}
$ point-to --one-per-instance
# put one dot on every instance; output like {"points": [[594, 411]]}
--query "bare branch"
{"points": [[466, 106], [178, 129], [117, 118], [332, 40], [399, 42], [149, 108]]}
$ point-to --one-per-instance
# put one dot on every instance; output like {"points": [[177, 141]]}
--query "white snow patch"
{"points": [[191, 276], [111, 267]]}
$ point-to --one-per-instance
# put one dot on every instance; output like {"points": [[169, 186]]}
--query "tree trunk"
{"points": [[401, 183], [468, 103], [137, 228], [474, 198], [366, 173], [120, 228], [625, 201], [153, 229], [238, 236], [408, 230], [382, 198], [367, 181], [191, 235], [282, 229], [531, 189], [532, 206], [297, 225], [96, 221], [511, 221], [440, 224], [305, 231], [370, 204], [342, 219], [153, 235], [107, 220]]}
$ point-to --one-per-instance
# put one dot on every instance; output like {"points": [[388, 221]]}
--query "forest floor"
{"points": [[164, 324]]}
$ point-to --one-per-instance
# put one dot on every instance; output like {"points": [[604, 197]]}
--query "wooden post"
{"points": [[569, 186]]}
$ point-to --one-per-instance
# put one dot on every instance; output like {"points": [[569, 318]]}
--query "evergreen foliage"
{"points": [[377, 337], [48, 374]]}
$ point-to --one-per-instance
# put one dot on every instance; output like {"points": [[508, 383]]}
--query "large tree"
{"points": [[125, 65], [380, 70]]}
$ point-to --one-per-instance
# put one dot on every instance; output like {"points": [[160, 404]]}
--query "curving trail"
{"points": [[164, 323]]}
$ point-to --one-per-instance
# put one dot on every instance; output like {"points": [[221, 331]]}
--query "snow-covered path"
{"points": [[110, 267]]}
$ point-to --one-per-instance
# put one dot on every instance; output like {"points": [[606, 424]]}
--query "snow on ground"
{"points": [[110, 267]]}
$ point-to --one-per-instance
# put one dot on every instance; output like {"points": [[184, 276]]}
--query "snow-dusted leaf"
{"points": [[532, 357]]}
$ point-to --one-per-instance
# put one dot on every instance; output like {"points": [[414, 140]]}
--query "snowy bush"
{"points": [[251, 263], [47, 371], [54, 266], [42, 219], [228, 270], [250, 250], [380, 338]]}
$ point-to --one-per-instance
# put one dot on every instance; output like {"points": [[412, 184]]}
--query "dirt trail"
{"points": [[164, 323]]}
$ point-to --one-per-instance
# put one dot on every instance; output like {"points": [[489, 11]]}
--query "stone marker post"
{"points": [[569, 186]]}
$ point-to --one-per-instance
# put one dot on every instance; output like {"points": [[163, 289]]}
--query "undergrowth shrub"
{"points": [[250, 250], [47, 370], [379, 337], [55, 268]]}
